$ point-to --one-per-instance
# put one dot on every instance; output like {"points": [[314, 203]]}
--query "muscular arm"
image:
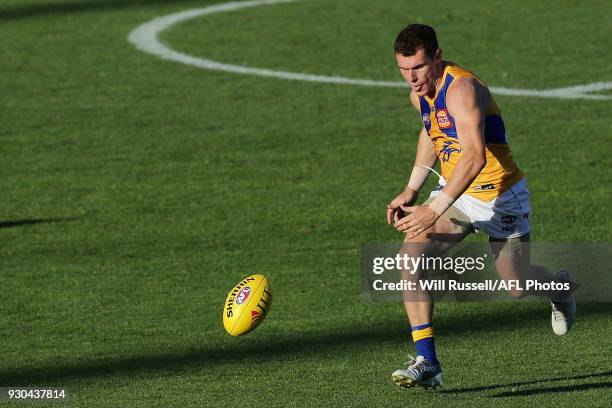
{"points": [[425, 154], [467, 100]]}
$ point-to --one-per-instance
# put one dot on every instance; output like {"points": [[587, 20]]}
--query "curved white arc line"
{"points": [[595, 86], [145, 38], [561, 93]]}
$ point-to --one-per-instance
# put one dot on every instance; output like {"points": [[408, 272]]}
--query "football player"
{"points": [[480, 189]]}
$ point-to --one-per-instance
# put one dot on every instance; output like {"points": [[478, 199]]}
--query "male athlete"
{"points": [[481, 188]]}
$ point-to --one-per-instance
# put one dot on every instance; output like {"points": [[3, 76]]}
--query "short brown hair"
{"points": [[414, 37]]}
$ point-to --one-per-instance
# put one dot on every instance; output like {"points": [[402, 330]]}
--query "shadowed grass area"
{"points": [[34, 221]]}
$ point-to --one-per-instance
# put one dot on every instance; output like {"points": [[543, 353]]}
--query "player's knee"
{"points": [[516, 293]]}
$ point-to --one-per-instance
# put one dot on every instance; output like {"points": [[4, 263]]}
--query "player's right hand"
{"points": [[396, 208]]}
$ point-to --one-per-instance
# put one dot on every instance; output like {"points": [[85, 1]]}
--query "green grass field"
{"points": [[136, 192]]}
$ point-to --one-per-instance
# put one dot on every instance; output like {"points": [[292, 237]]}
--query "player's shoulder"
{"points": [[465, 85], [468, 88]]}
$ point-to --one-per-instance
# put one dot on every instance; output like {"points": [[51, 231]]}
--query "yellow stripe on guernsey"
{"points": [[422, 334], [500, 171]]}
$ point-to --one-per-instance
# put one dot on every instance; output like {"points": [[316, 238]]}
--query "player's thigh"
{"points": [[512, 257], [451, 228], [435, 240]]}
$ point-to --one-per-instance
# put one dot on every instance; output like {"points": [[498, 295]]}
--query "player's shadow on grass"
{"points": [[34, 221], [536, 382], [50, 9], [285, 346], [555, 390]]}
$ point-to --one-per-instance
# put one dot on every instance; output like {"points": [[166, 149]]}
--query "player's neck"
{"points": [[438, 78]]}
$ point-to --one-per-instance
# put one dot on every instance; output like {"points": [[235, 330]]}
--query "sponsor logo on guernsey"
{"points": [[443, 119], [426, 119], [243, 295], [484, 187]]}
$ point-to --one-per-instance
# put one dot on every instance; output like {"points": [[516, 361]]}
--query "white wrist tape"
{"points": [[441, 203], [417, 178]]}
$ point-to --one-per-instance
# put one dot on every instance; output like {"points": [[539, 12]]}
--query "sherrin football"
{"points": [[246, 305]]}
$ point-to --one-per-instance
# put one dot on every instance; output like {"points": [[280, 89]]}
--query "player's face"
{"points": [[420, 71]]}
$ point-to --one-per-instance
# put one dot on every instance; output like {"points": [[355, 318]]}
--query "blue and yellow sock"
{"points": [[423, 337]]}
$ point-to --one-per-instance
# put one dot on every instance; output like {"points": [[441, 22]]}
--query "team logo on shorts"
{"points": [[243, 295], [443, 118], [508, 219]]}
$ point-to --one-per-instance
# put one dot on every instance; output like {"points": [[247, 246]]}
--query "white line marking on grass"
{"points": [[145, 38]]}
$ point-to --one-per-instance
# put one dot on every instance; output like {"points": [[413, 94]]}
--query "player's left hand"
{"points": [[419, 219]]}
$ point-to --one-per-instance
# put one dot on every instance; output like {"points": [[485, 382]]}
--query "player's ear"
{"points": [[438, 55]]}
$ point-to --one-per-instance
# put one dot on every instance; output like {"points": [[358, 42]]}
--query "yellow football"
{"points": [[247, 305]]}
